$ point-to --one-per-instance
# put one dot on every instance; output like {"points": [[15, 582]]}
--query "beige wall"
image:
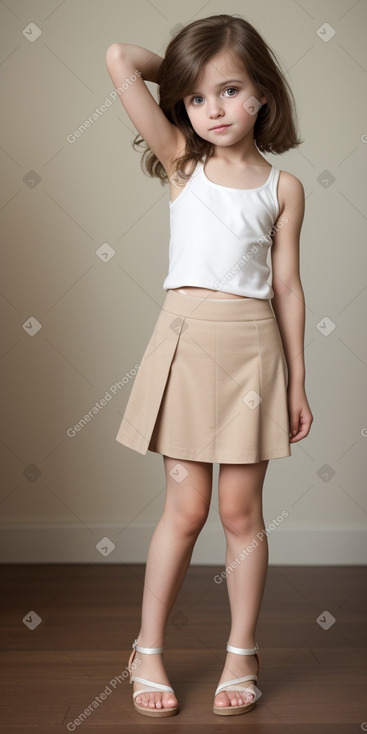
{"points": [[61, 201]]}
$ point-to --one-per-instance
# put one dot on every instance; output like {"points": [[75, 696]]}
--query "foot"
{"points": [[236, 666], [152, 668]]}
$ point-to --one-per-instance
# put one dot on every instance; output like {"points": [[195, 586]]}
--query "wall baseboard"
{"points": [[76, 543]]}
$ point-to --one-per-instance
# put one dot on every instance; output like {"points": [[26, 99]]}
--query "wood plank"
{"points": [[313, 680]]}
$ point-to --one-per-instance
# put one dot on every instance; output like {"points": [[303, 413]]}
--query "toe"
{"points": [[222, 700], [156, 700], [246, 698], [169, 701], [250, 695], [243, 699], [142, 700], [152, 701], [234, 698]]}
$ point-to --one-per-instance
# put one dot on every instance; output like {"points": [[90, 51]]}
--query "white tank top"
{"points": [[220, 236]]}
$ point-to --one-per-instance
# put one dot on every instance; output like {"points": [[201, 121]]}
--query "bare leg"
{"points": [[185, 512], [240, 507]]}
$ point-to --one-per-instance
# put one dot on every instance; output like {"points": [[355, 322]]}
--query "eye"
{"points": [[233, 90], [193, 100]]}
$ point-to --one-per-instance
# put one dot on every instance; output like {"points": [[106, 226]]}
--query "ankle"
{"points": [[151, 641], [245, 642]]}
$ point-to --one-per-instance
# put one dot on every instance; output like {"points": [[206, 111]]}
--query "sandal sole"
{"points": [[233, 710], [157, 713]]}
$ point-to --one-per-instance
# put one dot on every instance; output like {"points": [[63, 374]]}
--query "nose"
{"points": [[215, 109]]}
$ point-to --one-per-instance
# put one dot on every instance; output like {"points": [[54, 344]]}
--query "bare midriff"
{"points": [[191, 290]]}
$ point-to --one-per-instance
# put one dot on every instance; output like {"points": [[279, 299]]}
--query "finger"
{"points": [[301, 433], [294, 425]]}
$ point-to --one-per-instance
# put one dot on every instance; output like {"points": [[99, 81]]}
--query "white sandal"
{"points": [[232, 685], [146, 710]]}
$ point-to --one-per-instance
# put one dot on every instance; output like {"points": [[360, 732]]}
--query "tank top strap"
{"points": [[273, 186], [199, 167], [197, 170], [182, 184]]}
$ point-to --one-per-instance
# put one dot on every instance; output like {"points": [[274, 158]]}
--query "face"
{"points": [[224, 105]]}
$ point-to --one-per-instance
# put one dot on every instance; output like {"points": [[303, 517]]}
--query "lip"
{"points": [[220, 127]]}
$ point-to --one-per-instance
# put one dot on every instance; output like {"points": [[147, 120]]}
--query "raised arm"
{"points": [[123, 60]]}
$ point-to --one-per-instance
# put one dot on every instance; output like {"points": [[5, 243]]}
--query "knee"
{"points": [[190, 520], [239, 522]]}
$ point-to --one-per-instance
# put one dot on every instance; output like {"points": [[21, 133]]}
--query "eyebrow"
{"points": [[228, 81]]}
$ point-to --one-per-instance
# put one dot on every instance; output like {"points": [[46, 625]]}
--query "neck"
{"points": [[244, 151]]}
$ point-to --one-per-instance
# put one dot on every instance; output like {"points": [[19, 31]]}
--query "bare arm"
{"points": [[289, 303], [146, 61], [123, 60]]}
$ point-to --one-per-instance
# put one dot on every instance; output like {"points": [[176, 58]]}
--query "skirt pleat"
{"points": [[212, 384]]}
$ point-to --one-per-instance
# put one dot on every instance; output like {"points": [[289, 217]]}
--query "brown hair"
{"points": [[186, 54]]}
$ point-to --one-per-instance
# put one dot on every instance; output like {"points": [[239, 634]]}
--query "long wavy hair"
{"points": [[186, 54]]}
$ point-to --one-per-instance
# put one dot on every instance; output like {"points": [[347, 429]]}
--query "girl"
{"points": [[222, 378]]}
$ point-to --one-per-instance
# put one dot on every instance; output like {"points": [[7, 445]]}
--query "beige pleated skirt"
{"points": [[212, 384]]}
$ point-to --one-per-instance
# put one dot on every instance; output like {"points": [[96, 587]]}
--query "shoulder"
{"points": [[291, 193]]}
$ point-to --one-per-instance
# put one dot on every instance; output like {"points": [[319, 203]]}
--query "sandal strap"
{"points": [[147, 650], [243, 651], [152, 686], [233, 687]]}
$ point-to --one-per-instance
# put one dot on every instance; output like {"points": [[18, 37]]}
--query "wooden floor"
{"points": [[313, 680]]}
